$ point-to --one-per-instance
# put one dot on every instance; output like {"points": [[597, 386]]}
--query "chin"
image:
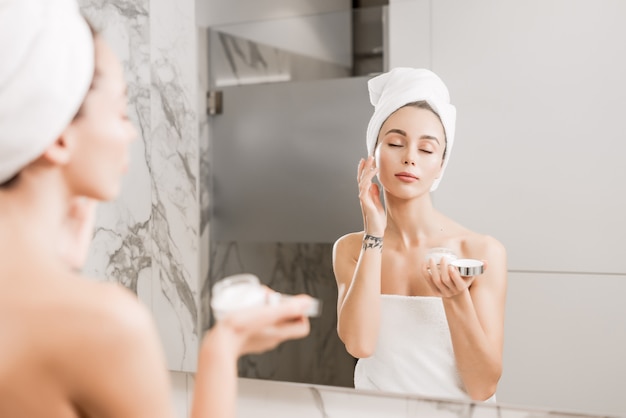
{"points": [[407, 194], [107, 195]]}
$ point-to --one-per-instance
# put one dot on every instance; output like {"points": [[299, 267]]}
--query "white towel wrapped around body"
{"points": [[414, 353], [392, 90]]}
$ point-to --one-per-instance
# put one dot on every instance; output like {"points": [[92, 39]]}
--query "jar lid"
{"points": [[468, 266]]}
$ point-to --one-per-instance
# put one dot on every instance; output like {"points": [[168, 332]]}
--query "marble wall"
{"points": [[148, 239]]}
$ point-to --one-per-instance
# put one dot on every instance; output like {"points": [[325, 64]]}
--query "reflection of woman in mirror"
{"points": [[416, 326], [73, 347]]}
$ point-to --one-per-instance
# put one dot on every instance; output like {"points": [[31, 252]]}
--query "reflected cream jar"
{"points": [[236, 292], [243, 291]]}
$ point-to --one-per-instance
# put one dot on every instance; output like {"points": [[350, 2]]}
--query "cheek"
{"points": [[385, 167]]}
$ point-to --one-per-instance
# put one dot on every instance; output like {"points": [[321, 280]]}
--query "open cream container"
{"points": [[468, 266], [243, 291], [437, 253]]}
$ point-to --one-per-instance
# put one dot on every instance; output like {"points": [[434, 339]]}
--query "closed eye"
{"points": [[426, 151], [395, 145]]}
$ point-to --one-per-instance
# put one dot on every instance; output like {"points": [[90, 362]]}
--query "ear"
{"points": [[60, 151]]}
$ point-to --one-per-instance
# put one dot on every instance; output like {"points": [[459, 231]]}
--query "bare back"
{"points": [[72, 347]]}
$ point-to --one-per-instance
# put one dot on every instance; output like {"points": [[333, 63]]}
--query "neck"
{"points": [[412, 221], [35, 210]]}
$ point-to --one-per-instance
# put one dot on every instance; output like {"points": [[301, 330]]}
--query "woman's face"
{"points": [[102, 132], [409, 153]]}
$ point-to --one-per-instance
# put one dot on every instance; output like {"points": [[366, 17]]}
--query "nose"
{"points": [[408, 158]]}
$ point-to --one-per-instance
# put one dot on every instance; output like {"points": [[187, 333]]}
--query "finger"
{"points": [[458, 282], [368, 164], [375, 194], [268, 338], [367, 177], [366, 169], [429, 280], [360, 169], [435, 277], [292, 307], [365, 185], [443, 272], [293, 329], [262, 319]]}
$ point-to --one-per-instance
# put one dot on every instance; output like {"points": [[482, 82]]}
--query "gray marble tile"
{"points": [[237, 61], [148, 239], [121, 249], [174, 166]]}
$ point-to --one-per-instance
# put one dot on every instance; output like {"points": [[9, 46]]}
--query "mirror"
{"points": [[537, 163]]}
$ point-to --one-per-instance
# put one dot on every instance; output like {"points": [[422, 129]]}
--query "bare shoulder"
{"points": [[493, 253], [113, 304], [481, 246], [348, 245], [99, 320], [113, 340]]}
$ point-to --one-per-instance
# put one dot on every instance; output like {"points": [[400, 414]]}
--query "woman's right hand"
{"points": [[374, 219], [259, 329]]}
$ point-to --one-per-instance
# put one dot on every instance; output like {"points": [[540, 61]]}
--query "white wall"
{"points": [[538, 163], [565, 342], [182, 393]]}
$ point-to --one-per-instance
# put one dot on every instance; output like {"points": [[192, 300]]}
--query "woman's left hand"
{"points": [[445, 279]]}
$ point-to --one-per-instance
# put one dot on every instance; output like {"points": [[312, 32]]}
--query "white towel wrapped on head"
{"points": [[46, 68], [392, 90]]}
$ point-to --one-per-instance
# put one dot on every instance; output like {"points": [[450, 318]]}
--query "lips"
{"points": [[407, 177]]}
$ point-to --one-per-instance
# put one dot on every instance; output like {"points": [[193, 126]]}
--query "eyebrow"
{"points": [[403, 133]]}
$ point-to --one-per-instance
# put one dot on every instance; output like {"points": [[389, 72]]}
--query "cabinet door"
{"points": [[284, 160]]}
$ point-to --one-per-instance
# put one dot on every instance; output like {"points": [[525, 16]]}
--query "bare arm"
{"points": [[476, 320], [357, 261], [251, 331], [358, 293]]}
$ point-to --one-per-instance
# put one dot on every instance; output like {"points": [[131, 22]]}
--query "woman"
{"points": [[73, 347], [416, 326]]}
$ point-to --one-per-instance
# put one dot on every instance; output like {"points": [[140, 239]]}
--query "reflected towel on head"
{"points": [[46, 68], [392, 90]]}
